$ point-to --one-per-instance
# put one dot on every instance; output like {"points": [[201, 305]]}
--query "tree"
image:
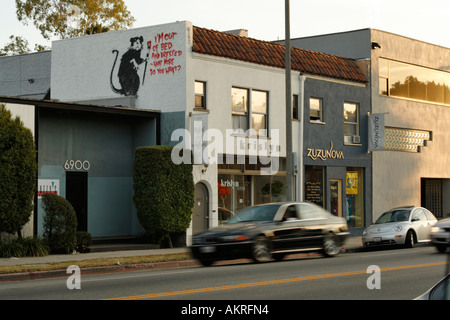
{"points": [[19, 45], [18, 168], [73, 18], [163, 192]]}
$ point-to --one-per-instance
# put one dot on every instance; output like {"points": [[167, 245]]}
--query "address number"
{"points": [[77, 165]]}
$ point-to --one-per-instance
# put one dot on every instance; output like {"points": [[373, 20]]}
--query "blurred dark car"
{"points": [[440, 235], [271, 231]]}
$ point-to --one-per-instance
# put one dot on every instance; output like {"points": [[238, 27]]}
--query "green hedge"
{"points": [[163, 191]]}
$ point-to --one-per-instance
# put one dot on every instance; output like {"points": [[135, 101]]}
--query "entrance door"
{"points": [[76, 194], [336, 197], [200, 216], [432, 196]]}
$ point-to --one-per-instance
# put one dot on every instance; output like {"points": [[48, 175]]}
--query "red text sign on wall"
{"points": [[163, 59]]}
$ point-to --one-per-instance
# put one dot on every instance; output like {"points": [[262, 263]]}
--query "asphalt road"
{"points": [[404, 274]]}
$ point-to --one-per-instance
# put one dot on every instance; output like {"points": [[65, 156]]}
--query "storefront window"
{"points": [[234, 193], [354, 207], [269, 189], [243, 185]]}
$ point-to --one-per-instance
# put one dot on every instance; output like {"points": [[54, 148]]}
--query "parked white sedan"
{"points": [[400, 226]]}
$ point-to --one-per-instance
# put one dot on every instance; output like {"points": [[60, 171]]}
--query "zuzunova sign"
{"points": [[325, 154]]}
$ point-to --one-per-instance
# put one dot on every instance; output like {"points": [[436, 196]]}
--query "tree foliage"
{"points": [[73, 18], [18, 170], [19, 45]]}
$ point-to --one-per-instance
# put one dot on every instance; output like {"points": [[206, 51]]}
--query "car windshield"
{"points": [[394, 216], [258, 213]]}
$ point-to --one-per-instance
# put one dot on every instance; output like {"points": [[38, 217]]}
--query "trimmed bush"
{"points": [[60, 224], [84, 241], [18, 169], [163, 191]]}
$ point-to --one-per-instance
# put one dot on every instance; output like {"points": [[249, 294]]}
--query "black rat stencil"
{"points": [[128, 70]]}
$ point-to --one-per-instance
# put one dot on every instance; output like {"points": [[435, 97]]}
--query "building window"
{"points": [[404, 80], [239, 108], [259, 112], [351, 123], [295, 107], [200, 94], [315, 109]]}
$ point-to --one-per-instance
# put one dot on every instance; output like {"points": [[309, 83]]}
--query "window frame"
{"points": [[237, 113], [348, 139], [320, 111], [253, 112], [201, 95]]}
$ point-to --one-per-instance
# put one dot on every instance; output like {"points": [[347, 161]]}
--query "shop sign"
{"points": [[352, 182], [376, 131], [48, 186], [325, 154]]}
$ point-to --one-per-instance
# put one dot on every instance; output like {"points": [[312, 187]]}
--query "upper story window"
{"points": [[351, 123], [259, 112], [239, 108], [404, 80], [200, 94], [249, 110], [295, 114], [315, 109]]}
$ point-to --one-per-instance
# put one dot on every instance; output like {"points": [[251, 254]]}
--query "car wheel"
{"points": [[441, 248], [261, 250], [206, 262], [409, 240], [331, 246]]}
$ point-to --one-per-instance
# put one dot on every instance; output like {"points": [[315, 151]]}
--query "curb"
{"points": [[33, 275]]}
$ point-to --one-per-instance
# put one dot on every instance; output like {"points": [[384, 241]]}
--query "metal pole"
{"points": [[289, 160]]}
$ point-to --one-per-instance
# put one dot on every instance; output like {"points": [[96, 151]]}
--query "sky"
{"points": [[265, 19]]}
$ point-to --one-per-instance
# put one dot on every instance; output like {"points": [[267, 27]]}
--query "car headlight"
{"points": [[238, 237], [435, 229], [398, 228]]}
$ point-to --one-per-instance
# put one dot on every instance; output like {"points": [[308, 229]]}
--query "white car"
{"points": [[400, 226]]}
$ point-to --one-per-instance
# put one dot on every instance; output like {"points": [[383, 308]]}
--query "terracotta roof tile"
{"points": [[271, 54]]}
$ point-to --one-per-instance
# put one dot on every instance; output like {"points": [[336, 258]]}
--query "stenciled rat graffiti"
{"points": [[130, 61]]}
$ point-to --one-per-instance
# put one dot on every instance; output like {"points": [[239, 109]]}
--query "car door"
{"points": [[420, 223], [312, 223], [288, 230]]}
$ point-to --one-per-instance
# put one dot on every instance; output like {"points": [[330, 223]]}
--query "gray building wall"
{"points": [[331, 130], [108, 143], [26, 75]]}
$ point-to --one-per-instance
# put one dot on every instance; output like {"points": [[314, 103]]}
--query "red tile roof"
{"points": [[272, 54]]}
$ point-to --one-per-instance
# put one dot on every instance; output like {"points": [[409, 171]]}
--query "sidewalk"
{"points": [[353, 244]]}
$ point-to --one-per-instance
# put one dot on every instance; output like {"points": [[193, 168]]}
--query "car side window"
{"points": [[418, 215], [308, 212], [429, 215], [290, 213]]}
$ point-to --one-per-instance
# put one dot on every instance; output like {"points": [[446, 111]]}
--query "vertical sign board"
{"points": [[376, 131]]}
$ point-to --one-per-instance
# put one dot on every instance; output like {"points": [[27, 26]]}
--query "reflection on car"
{"points": [[440, 235], [271, 231], [400, 226], [440, 291]]}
